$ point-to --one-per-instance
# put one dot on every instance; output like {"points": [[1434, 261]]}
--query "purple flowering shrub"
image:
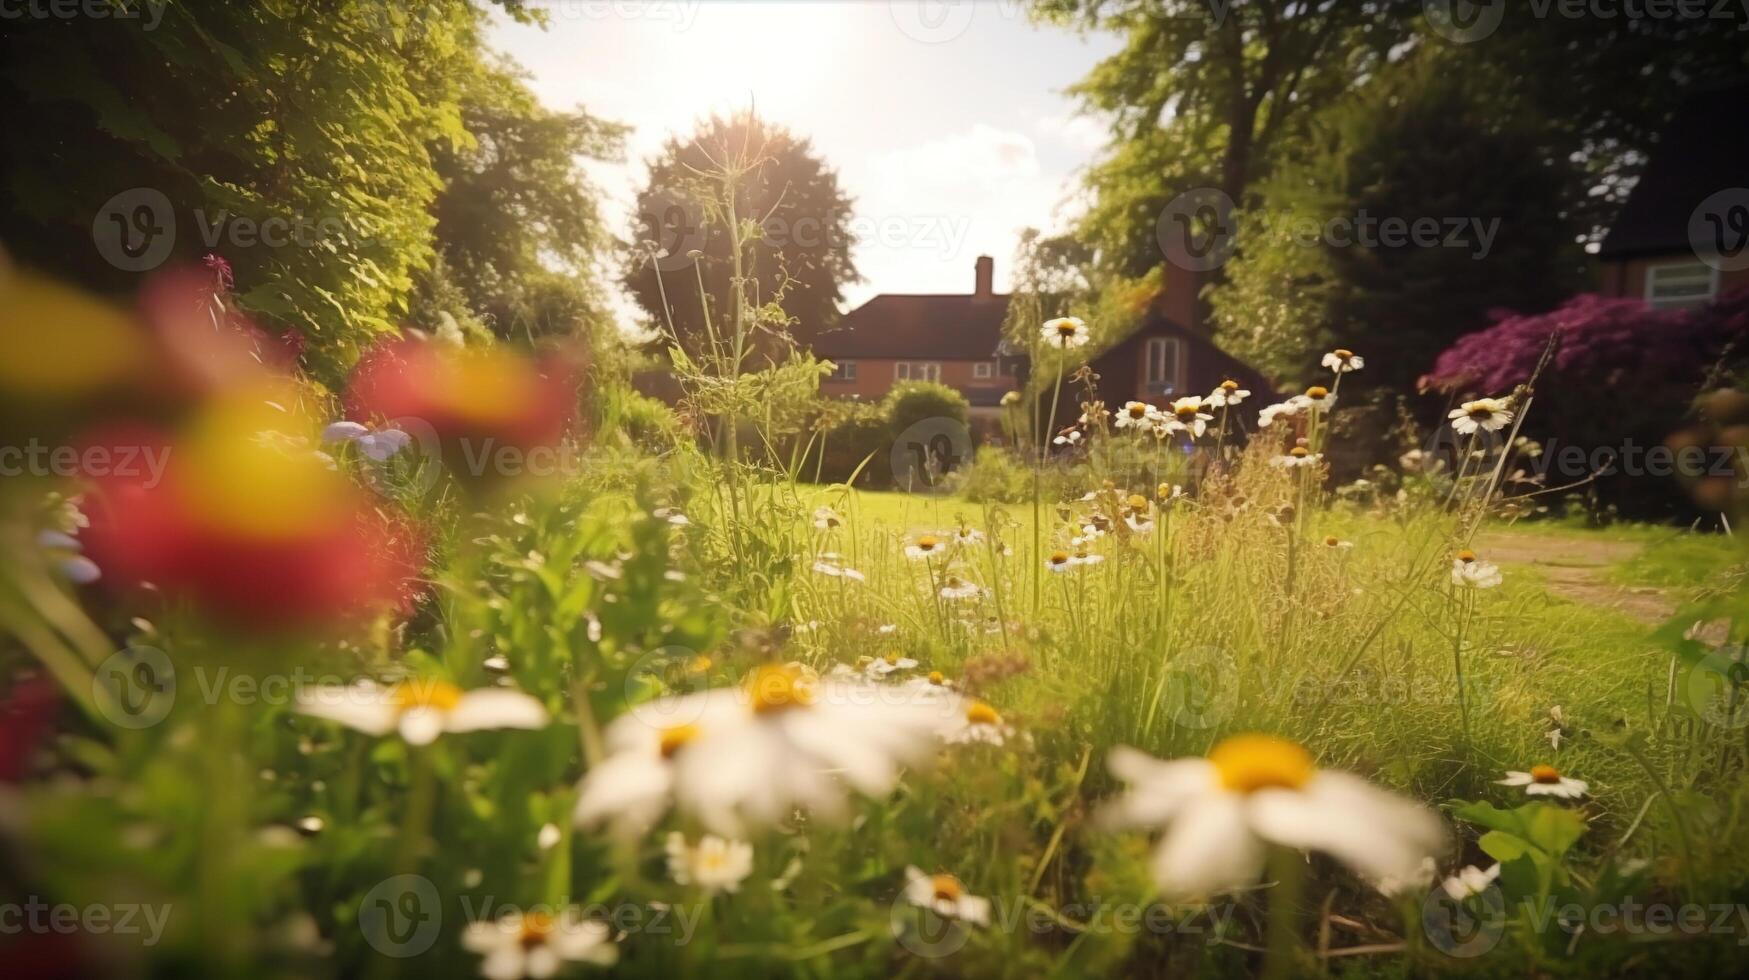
{"points": [[1623, 375], [1608, 347]]}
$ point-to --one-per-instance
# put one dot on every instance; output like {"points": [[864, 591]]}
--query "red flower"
{"points": [[474, 400], [247, 522]]}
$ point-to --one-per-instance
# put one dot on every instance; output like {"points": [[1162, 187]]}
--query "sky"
{"points": [[946, 120]]}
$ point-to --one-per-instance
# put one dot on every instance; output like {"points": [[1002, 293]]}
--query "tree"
{"points": [[1325, 263], [289, 139], [519, 232], [1202, 95], [795, 218]]}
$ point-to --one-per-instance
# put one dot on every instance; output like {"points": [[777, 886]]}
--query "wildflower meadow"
{"points": [[366, 612]]}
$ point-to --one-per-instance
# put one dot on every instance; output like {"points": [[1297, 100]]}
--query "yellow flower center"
{"points": [[440, 695], [1059, 557], [1186, 411], [676, 737], [1481, 412], [536, 927], [927, 542], [1317, 392], [1138, 411], [1544, 774], [1066, 329], [936, 678], [947, 888], [892, 659], [1332, 541], [1230, 385], [779, 688], [1247, 763], [1466, 556], [1299, 452], [1137, 502], [1344, 353], [982, 714]]}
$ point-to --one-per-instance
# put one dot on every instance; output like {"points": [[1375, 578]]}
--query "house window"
{"points": [[1678, 284], [917, 370], [1161, 364], [842, 371], [981, 371]]}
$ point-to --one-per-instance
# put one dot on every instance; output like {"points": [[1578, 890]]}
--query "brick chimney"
{"points": [[986, 283]]}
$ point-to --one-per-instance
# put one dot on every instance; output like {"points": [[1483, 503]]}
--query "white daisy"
{"points": [[1060, 561], [1546, 781], [927, 546], [933, 687], [1318, 397], [1187, 416], [754, 754], [1082, 557], [1298, 456], [1423, 876], [973, 721], [1221, 812], [1270, 413], [1468, 570], [827, 519], [1070, 437], [714, 864], [1490, 414], [538, 944], [879, 667], [967, 535], [956, 588], [1469, 882], [834, 570], [422, 709], [1227, 394], [1337, 544], [1136, 415], [1343, 361], [1064, 333], [944, 895]]}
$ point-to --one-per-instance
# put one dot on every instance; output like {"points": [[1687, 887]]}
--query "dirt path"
{"points": [[1575, 568]]}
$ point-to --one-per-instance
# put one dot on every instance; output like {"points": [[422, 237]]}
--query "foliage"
{"points": [[794, 234], [517, 222], [241, 114], [852, 433], [1418, 144], [911, 402]]}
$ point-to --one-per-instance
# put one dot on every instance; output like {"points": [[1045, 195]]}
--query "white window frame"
{"points": [[917, 371], [1670, 303], [844, 373], [1161, 385], [983, 371]]}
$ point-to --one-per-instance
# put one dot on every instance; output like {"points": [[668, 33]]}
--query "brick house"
{"points": [[957, 340], [1652, 250]]}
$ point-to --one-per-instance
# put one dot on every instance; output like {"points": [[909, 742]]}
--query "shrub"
{"points": [[911, 402], [1641, 367], [854, 431], [644, 422]]}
